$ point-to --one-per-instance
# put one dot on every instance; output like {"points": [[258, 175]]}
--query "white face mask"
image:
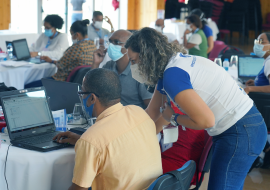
{"points": [[158, 28], [98, 24], [188, 27], [136, 74]]}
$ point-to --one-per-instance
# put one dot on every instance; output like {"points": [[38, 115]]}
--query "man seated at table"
{"points": [[159, 26], [133, 92], [121, 150]]}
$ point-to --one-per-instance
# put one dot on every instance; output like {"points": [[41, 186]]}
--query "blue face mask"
{"points": [[258, 50], [88, 110], [114, 52], [48, 32]]}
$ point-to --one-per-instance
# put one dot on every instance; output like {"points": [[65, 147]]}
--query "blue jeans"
{"points": [[75, 17], [235, 150]]}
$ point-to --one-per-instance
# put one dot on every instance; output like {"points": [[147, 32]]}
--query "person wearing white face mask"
{"points": [[95, 29], [51, 43], [133, 92], [197, 43], [159, 26], [261, 49]]}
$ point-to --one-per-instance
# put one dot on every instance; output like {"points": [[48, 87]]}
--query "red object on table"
{"points": [[189, 146]]}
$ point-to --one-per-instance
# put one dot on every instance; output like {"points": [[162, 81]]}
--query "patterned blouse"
{"points": [[78, 54]]}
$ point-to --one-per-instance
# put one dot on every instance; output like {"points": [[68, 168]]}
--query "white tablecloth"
{"points": [[32, 170], [10, 36], [178, 28], [18, 77]]}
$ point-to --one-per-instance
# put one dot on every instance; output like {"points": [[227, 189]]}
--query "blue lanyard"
{"points": [[196, 30], [49, 41], [99, 33]]}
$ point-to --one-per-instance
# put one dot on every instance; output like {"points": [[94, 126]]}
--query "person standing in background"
{"points": [[77, 12]]}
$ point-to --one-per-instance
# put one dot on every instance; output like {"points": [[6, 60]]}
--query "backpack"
{"points": [[228, 51]]}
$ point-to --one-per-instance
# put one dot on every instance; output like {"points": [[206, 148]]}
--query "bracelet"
{"points": [[112, 29]]}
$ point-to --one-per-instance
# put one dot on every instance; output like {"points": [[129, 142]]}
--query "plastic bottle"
{"points": [[226, 64], [10, 50], [4, 130]]}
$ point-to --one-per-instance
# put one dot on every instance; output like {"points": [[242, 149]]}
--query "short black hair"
{"points": [[267, 35], [194, 19], [80, 26], [97, 13], [200, 14], [105, 84], [55, 21]]}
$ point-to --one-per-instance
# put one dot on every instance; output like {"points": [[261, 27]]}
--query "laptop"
{"points": [[29, 119], [249, 67], [63, 95], [22, 53]]}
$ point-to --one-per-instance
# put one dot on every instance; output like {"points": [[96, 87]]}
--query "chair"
{"points": [[168, 181], [218, 47], [267, 25], [77, 74], [205, 160]]}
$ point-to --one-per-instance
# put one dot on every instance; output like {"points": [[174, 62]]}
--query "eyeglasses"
{"points": [[259, 41], [116, 42], [81, 93]]}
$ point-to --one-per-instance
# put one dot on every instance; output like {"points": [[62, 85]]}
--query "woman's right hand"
{"points": [[250, 82], [187, 31]]}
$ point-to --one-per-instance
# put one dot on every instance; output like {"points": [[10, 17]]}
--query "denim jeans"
{"points": [[235, 150], [75, 17]]}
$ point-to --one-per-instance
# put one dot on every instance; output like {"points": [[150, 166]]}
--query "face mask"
{"points": [[188, 27], [136, 74], [48, 32], [158, 28], [88, 110], [114, 52], [98, 24], [258, 50]]}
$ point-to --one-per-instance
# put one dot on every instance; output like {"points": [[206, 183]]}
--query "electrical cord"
{"points": [[6, 167]]}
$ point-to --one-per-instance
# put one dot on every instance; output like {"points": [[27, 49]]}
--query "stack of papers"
{"points": [[10, 63]]}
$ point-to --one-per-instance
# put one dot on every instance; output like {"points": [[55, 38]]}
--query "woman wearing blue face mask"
{"points": [[261, 49], [51, 43]]}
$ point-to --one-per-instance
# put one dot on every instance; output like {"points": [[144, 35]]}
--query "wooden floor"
{"points": [[257, 179]]}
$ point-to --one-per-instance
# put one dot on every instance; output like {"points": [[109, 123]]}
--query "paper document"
{"points": [[10, 63]]}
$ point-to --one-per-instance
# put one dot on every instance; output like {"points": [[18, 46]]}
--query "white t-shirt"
{"points": [[56, 48], [212, 83], [171, 37], [195, 39]]}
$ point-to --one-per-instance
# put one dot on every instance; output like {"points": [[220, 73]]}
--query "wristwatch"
{"points": [[173, 120]]}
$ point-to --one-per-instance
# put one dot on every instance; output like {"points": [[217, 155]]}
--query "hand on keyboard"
{"points": [[67, 137]]}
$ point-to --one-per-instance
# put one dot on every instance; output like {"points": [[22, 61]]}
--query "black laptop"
{"points": [[249, 67], [63, 95], [21, 51], [29, 119]]}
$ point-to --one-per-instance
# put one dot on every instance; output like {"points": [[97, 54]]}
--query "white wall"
{"points": [[123, 14]]}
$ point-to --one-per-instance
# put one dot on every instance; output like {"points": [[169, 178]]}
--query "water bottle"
{"points": [[226, 64], [4, 130], [10, 50]]}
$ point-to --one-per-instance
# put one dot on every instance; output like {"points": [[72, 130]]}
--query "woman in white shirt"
{"points": [[208, 96], [51, 43]]}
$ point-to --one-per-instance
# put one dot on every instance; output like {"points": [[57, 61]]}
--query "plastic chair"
{"points": [[75, 71], [183, 175], [218, 47], [205, 160]]}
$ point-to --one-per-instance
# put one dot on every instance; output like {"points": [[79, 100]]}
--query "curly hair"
{"points": [[55, 21], [154, 53]]}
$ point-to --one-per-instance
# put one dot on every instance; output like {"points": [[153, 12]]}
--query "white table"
{"points": [[178, 28], [18, 77], [10, 36], [32, 170]]}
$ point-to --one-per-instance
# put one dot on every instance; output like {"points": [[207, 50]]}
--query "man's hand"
{"points": [[247, 89], [46, 58], [67, 137], [108, 20], [99, 55], [250, 82], [34, 54], [167, 112]]}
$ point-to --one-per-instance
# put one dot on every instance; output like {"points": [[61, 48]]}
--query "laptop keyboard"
{"points": [[39, 139]]}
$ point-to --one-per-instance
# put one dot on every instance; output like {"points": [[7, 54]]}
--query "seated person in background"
{"points": [[51, 43], [80, 53], [197, 43], [120, 151], [206, 29], [95, 29], [159, 26], [133, 92]]}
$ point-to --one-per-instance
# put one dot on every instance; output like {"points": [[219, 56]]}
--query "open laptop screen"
{"points": [[27, 111], [21, 49], [250, 66]]}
